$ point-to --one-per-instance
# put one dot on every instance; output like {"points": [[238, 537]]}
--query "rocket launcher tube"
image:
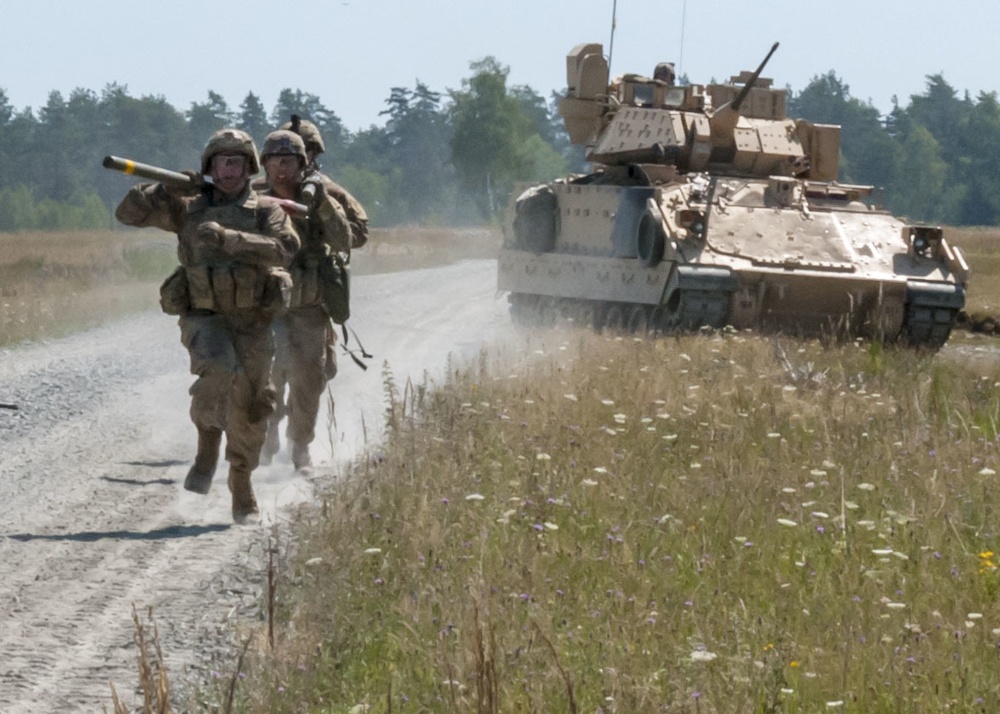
{"points": [[175, 178]]}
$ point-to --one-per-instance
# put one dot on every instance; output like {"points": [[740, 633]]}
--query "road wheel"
{"points": [[638, 320], [650, 240], [615, 321]]}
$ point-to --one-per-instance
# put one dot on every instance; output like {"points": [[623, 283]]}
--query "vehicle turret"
{"points": [[738, 128]]}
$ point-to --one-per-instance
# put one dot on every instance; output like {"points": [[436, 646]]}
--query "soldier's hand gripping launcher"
{"points": [[175, 178]]}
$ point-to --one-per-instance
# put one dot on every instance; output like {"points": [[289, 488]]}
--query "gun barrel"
{"points": [[154, 173], [738, 102]]}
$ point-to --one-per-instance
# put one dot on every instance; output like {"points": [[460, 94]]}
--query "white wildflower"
{"points": [[703, 656]]}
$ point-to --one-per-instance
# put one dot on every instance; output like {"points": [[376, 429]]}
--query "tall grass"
{"points": [[981, 247], [52, 284], [718, 523]]}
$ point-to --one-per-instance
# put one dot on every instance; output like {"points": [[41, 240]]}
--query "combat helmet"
{"points": [[308, 131], [284, 142], [232, 141]]}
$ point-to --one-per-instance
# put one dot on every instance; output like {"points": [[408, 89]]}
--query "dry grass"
{"points": [[718, 523], [52, 284], [393, 249], [153, 680], [981, 247]]}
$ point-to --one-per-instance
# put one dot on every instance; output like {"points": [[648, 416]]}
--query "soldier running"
{"points": [[356, 214], [229, 287], [304, 335]]}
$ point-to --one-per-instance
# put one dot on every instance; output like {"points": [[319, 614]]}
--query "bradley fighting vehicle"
{"points": [[709, 207]]}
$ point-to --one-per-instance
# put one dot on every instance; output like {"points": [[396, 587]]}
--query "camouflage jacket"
{"points": [[237, 272], [357, 219], [324, 232]]}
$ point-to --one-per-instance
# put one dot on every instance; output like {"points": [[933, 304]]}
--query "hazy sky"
{"points": [[350, 54]]}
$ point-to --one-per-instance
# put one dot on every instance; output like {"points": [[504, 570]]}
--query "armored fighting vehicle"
{"points": [[707, 206]]}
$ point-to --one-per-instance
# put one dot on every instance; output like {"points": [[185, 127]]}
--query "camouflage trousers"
{"points": [[304, 361], [231, 356]]}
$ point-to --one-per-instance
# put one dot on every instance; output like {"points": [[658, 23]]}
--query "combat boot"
{"points": [[199, 476], [244, 503], [272, 445], [301, 459]]}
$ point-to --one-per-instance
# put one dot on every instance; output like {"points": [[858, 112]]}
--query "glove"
{"points": [[211, 233], [313, 192]]}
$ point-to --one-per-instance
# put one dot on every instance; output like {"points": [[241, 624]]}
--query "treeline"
{"points": [[937, 158], [453, 157]]}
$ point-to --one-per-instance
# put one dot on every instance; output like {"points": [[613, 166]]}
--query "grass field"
{"points": [[588, 523], [719, 523]]}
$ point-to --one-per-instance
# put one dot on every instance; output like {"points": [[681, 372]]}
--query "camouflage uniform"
{"points": [[227, 291], [304, 337], [356, 215]]}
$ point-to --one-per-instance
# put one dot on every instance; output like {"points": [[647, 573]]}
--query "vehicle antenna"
{"points": [[611, 45], [680, 59]]}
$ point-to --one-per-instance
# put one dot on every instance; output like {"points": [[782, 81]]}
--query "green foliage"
{"points": [[253, 118], [938, 159], [207, 118], [921, 176], [453, 157], [369, 187], [490, 129], [19, 211]]}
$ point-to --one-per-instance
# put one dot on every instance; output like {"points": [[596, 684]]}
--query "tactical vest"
{"points": [[210, 279], [319, 277]]}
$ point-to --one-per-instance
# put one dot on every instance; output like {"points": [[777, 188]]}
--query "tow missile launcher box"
{"points": [[708, 206]]}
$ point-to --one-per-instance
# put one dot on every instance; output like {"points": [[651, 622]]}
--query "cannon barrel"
{"points": [[723, 121], [738, 102]]}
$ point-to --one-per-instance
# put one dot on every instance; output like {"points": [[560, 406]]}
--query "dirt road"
{"points": [[94, 518]]}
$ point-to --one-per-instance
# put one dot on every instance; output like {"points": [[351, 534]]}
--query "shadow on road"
{"points": [[137, 482], [157, 534], [166, 463]]}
